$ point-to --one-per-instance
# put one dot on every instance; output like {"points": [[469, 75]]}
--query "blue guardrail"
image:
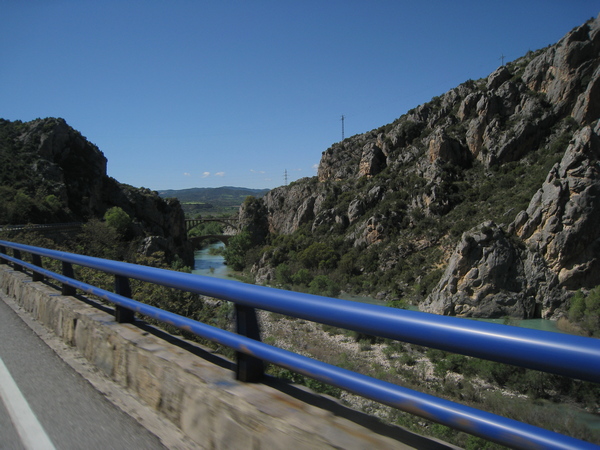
{"points": [[573, 356]]}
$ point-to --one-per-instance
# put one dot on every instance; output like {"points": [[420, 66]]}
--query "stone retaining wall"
{"points": [[201, 398]]}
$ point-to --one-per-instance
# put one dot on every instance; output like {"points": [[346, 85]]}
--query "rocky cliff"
{"points": [[55, 174], [511, 161]]}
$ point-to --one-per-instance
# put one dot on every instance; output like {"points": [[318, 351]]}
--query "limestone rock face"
{"points": [[554, 248], [290, 207], [75, 167], [561, 222], [160, 221], [558, 71], [372, 160], [445, 149], [485, 277]]}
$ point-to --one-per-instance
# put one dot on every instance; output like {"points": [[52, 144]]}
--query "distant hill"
{"points": [[226, 199]]}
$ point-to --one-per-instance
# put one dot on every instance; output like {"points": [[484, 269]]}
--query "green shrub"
{"points": [[118, 219], [323, 285], [585, 311], [303, 277]]}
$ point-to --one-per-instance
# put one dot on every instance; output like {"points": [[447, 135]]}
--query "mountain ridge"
{"points": [[393, 205], [212, 201]]}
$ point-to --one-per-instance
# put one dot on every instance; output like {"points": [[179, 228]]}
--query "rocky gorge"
{"points": [[482, 202]]}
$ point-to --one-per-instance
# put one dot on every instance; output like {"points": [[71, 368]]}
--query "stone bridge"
{"points": [[231, 222]]}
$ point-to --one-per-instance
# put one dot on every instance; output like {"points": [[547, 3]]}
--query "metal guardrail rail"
{"points": [[573, 356]]}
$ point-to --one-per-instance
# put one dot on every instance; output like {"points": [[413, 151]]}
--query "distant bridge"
{"points": [[231, 222]]}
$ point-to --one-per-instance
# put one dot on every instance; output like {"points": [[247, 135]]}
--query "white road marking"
{"points": [[30, 431]]}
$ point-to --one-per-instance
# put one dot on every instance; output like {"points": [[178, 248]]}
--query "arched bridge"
{"points": [[230, 222]]}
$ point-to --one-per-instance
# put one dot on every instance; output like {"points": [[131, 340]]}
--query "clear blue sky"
{"points": [[192, 93]]}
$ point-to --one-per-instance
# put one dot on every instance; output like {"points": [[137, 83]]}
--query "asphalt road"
{"points": [[69, 412]]}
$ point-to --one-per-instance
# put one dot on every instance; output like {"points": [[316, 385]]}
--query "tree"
{"points": [[283, 273], [323, 285], [318, 255], [235, 253], [118, 219], [100, 240], [303, 277]]}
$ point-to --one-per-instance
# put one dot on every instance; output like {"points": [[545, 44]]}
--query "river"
{"points": [[209, 264]]}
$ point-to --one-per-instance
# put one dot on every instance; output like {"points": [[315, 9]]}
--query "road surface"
{"points": [[45, 404]]}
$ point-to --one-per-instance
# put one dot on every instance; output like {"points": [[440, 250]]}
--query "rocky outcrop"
{"points": [[160, 223], [65, 164], [291, 206], [484, 278], [561, 222], [567, 73], [73, 168], [550, 249], [372, 160]]}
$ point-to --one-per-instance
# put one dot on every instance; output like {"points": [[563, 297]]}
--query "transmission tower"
{"points": [[342, 127], [285, 177], [502, 58]]}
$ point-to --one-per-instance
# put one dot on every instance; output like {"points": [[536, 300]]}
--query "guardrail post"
{"points": [[67, 271], [37, 260], [3, 251], [248, 368], [17, 255], [123, 287]]}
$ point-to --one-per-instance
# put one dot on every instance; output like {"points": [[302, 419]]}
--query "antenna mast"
{"points": [[342, 127]]}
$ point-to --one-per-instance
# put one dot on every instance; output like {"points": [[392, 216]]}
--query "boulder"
{"points": [[485, 277]]}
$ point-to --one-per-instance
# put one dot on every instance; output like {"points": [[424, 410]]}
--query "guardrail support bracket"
{"points": [[37, 260], [67, 271], [123, 287], [248, 369], [17, 255]]}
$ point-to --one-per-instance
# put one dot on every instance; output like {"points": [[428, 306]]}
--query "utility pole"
{"points": [[342, 127]]}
